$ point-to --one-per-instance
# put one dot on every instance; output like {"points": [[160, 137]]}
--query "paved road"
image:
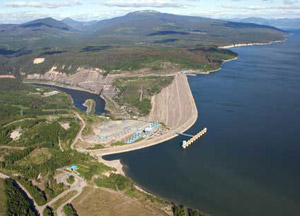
{"points": [[3, 176], [78, 186]]}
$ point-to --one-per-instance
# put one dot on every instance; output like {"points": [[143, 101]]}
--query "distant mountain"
{"points": [[46, 23], [36, 33], [152, 26], [136, 28], [77, 25], [40, 26], [136, 40], [279, 23]]}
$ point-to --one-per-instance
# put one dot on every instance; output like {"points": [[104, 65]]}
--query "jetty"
{"points": [[186, 144]]}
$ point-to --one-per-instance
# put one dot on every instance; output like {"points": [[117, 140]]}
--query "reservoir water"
{"points": [[249, 161], [79, 97]]}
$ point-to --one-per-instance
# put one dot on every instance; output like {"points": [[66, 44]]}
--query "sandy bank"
{"points": [[249, 44], [7, 77]]}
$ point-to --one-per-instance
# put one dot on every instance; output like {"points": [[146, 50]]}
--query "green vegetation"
{"points": [[27, 102], [17, 203], [158, 59], [91, 105], [119, 182], [98, 146], [42, 197], [89, 120], [38, 195], [39, 154], [66, 136], [118, 144], [115, 182], [90, 168], [48, 211], [69, 210], [53, 189], [2, 198], [183, 211], [71, 180], [11, 85], [136, 92]]}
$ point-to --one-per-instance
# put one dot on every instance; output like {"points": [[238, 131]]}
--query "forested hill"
{"points": [[115, 43], [151, 26], [136, 27]]}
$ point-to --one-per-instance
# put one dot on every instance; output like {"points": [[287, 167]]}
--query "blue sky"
{"points": [[16, 11]]}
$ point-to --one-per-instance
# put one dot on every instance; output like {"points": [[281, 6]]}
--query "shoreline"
{"points": [[249, 44], [54, 84], [220, 68], [100, 153]]}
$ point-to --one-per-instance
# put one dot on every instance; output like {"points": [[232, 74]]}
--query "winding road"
{"points": [[79, 134]]}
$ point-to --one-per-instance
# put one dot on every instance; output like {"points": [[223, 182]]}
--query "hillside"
{"points": [[154, 27], [77, 25], [35, 34], [143, 39]]}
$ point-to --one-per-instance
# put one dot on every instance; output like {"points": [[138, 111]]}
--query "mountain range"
{"points": [[278, 23], [141, 27], [134, 41]]}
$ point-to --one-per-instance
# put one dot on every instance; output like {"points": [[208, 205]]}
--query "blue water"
{"points": [[248, 164], [79, 97]]}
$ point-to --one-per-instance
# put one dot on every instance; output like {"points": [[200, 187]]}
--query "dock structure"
{"points": [[186, 144]]}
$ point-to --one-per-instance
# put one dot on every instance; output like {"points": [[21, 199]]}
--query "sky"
{"points": [[19, 11]]}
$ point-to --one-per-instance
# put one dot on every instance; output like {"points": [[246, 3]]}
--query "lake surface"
{"points": [[79, 97], [248, 164]]}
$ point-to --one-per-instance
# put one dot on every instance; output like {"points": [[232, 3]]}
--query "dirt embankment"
{"points": [[7, 77], [174, 106], [91, 79]]}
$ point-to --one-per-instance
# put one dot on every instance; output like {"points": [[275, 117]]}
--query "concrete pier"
{"points": [[186, 144]]}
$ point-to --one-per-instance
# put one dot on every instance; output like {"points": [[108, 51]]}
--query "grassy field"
{"points": [[91, 168], [101, 202], [136, 92], [69, 210]]}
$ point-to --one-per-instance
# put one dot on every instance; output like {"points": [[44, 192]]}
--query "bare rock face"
{"points": [[91, 79]]}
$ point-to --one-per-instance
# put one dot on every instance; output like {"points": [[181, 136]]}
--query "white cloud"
{"points": [[278, 7], [144, 3], [35, 4]]}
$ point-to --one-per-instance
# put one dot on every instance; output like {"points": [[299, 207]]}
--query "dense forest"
{"points": [[17, 202]]}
